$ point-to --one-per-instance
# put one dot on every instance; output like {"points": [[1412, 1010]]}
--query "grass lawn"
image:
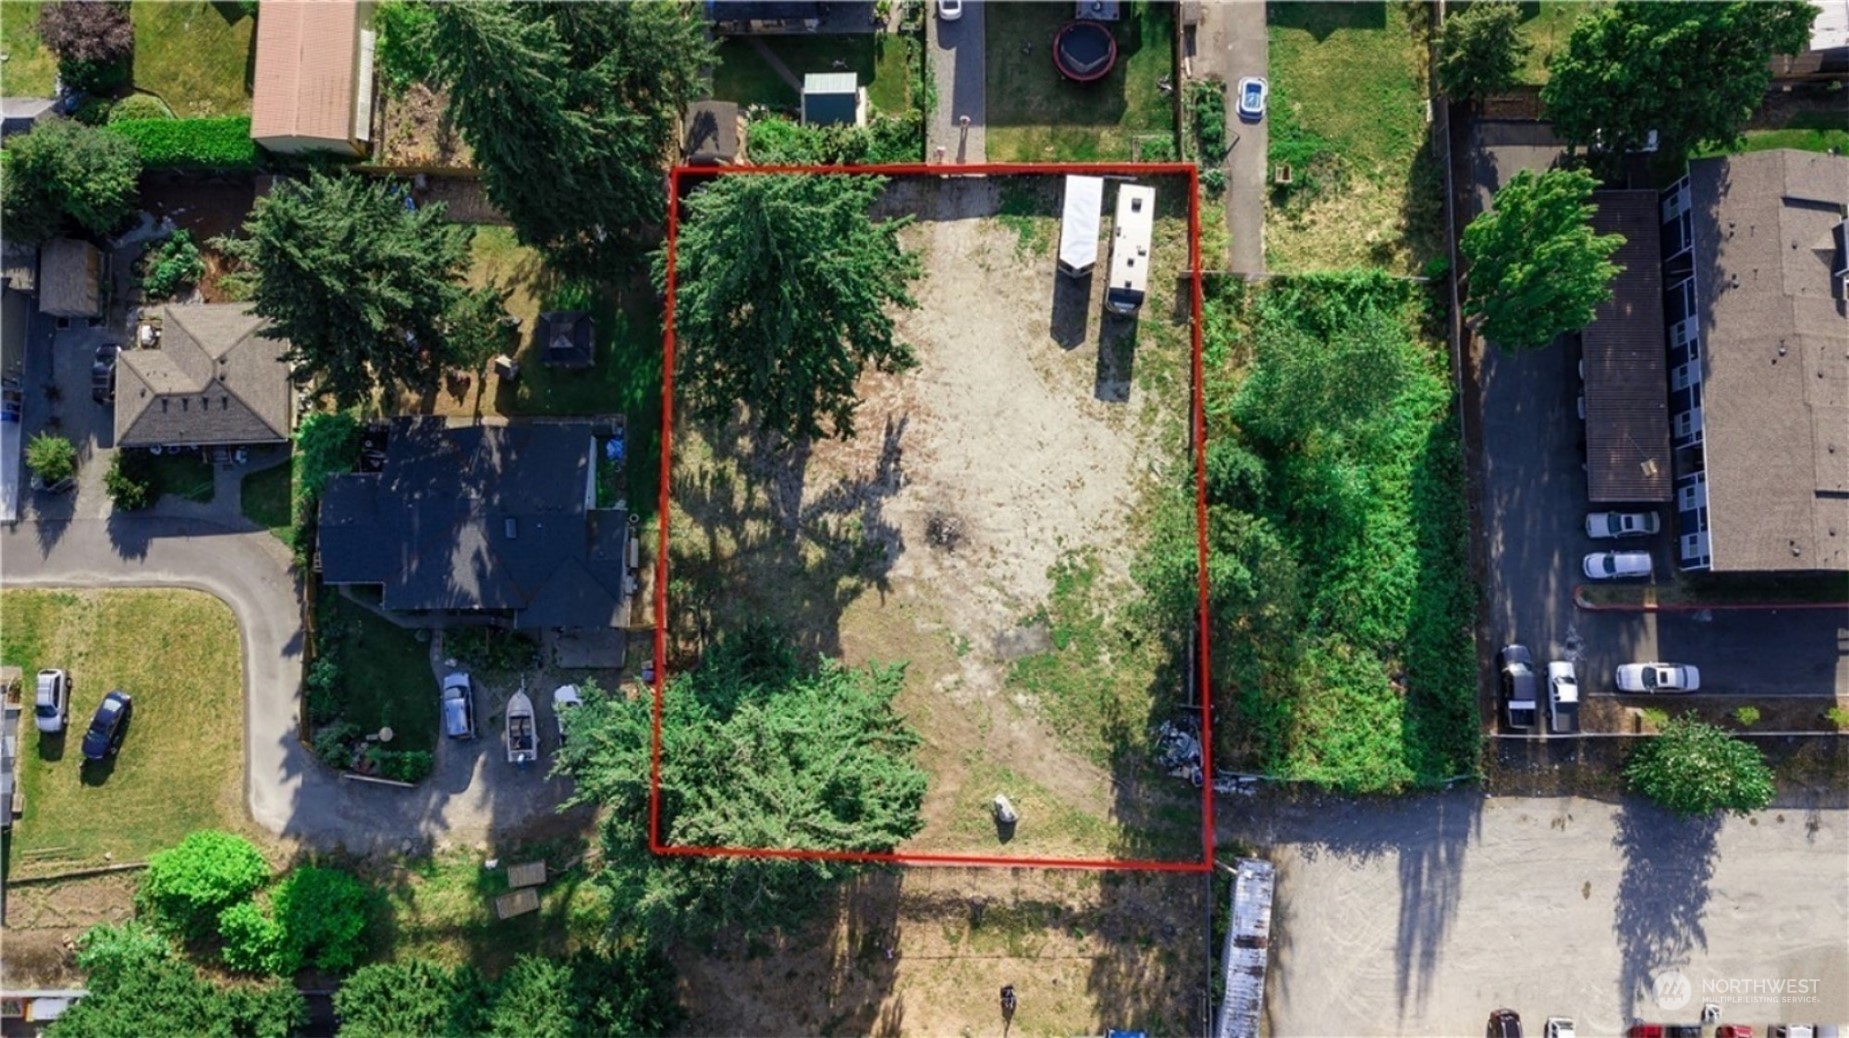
{"points": [[264, 500], [385, 670], [743, 76], [30, 69], [181, 766], [197, 56], [1347, 84], [1805, 131], [187, 475], [1546, 25], [1036, 115]]}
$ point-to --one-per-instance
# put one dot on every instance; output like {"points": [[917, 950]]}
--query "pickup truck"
{"points": [[1520, 707], [1562, 698]]}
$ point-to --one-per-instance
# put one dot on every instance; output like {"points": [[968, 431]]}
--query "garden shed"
{"points": [[833, 99], [568, 338], [312, 86], [712, 133], [70, 279]]}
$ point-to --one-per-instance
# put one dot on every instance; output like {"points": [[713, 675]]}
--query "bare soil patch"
{"points": [[417, 132], [208, 208]]}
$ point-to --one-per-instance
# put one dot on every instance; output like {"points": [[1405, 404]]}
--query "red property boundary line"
{"points": [[1198, 429], [1580, 600]]}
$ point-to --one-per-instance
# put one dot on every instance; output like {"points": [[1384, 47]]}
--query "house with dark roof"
{"points": [[1626, 402], [1756, 276], [213, 379], [481, 522]]}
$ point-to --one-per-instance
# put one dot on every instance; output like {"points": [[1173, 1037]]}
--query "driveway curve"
{"points": [[289, 792]]}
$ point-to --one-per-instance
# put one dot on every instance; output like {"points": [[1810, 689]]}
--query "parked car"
{"points": [[1658, 677], [1504, 1023], [1559, 1027], [1602, 525], [1253, 91], [458, 705], [1617, 565], [565, 699], [1516, 666], [1734, 1031], [949, 10], [51, 706], [108, 726], [1562, 702], [103, 373], [1664, 1031]]}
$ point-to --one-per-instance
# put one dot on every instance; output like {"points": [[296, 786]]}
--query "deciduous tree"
{"points": [[356, 282], [187, 886], [570, 111], [1691, 72], [783, 286], [1482, 50], [64, 173], [53, 459], [1694, 768], [756, 752], [93, 40], [1536, 267]]}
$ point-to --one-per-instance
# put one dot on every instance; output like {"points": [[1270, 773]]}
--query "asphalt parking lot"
{"points": [[1534, 508]]}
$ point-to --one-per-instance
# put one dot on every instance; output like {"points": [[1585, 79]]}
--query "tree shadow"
{"points": [[1662, 893], [1323, 20]]}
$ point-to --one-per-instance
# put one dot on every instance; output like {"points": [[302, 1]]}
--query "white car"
{"points": [[1658, 677], [1559, 1027], [458, 705], [51, 703], [1616, 565], [1602, 525], [1562, 698], [949, 10], [565, 699]]}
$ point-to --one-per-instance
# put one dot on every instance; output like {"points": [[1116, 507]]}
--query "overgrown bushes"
{"points": [[53, 459], [172, 266], [220, 144], [624, 991], [139, 106], [130, 484], [491, 648], [186, 887], [1694, 768], [886, 139]]}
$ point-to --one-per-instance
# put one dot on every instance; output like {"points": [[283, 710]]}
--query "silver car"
{"points": [[51, 705], [1601, 525], [458, 705], [1658, 677], [1616, 565]]}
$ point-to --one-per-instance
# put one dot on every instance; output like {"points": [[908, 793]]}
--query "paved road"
{"points": [[1231, 42], [957, 53], [1419, 916], [474, 792]]}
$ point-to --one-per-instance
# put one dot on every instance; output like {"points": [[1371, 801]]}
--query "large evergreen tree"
{"points": [[64, 173], [758, 752], [361, 287], [783, 285], [1692, 72], [570, 110], [1482, 50], [138, 986], [1536, 268]]}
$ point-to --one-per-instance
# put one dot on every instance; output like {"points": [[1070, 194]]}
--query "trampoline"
{"points": [[1084, 51]]}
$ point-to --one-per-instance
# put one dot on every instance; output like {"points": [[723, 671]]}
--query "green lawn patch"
{"points": [[185, 474], [181, 766], [1547, 25], [442, 908], [264, 498], [879, 60], [385, 671], [197, 56], [1811, 131], [30, 69], [1037, 115]]}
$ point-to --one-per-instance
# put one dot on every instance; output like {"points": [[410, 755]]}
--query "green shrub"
{"points": [[221, 143], [140, 106], [333, 744], [886, 139], [322, 914], [172, 266], [1207, 98], [53, 459], [491, 648], [128, 482], [418, 996], [322, 682], [1747, 715], [93, 110], [186, 887], [110, 951], [404, 765], [252, 942], [1837, 716], [1693, 768], [402, 57]]}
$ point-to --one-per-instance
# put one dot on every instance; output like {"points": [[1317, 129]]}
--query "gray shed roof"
{"points": [[214, 379], [1775, 355], [1627, 395], [481, 518], [831, 97], [70, 279]]}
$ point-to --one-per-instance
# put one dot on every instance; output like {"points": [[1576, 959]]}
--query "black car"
{"points": [[105, 735], [1504, 1023], [103, 373]]}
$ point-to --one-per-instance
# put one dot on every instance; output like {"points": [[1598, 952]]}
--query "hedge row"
{"points": [[215, 144]]}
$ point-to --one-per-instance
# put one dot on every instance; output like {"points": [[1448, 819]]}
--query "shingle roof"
{"points": [[304, 80], [70, 278], [489, 518], [1627, 398], [1775, 345], [712, 132], [568, 337], [214, 379]]}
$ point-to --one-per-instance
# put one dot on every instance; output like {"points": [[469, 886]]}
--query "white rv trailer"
{"points": [[1136, 210], [1078, 228]]}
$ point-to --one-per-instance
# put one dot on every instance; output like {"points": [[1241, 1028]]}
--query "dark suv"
{"points": [[1504, 1023]]}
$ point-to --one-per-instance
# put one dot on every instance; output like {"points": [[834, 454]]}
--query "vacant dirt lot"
{"points": [[1028, 437]]}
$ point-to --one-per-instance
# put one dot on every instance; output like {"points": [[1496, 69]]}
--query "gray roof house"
{"points": [[214, 380], [1758, 322], [482, 521]]}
